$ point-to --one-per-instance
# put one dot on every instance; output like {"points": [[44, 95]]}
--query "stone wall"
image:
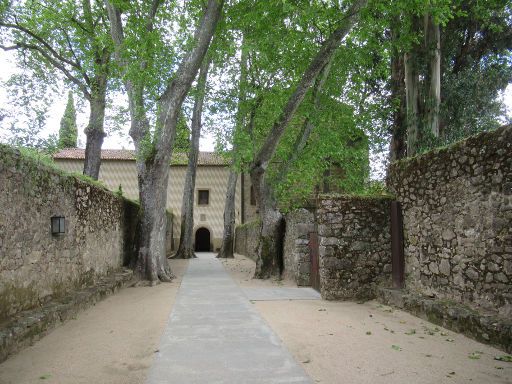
{"points": [[354, 246], [36, 266], [297, 261], [246, 239], [457, 209]]}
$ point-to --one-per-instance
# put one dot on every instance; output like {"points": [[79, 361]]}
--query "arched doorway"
{"points": [[202, 240]]}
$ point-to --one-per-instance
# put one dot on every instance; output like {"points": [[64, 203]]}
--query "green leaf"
{"points": [[506, 358], [475, 355]]}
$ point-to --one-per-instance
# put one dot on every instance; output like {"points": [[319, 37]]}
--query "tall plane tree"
{"points": [[137, 46], [268, 262], [186, 246], [71, 37], [228, 235]]}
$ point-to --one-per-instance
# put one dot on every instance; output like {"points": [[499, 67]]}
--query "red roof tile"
{"points": [[180, 158]]}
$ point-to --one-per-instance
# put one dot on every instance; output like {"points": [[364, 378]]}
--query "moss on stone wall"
{"points": [[16, 298], [36, 266], [456, 205]]}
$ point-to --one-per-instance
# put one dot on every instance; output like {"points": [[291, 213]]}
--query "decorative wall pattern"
{"points": [[212, 177], [36, 266]]}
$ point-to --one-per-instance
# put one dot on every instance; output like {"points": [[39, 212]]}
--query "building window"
{"points": [[253, 197], [203, 197]]}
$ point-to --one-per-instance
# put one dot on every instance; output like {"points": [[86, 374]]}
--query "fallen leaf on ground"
{"points": [[506, 358], [475, 355], [396, 347], [410, 332]]}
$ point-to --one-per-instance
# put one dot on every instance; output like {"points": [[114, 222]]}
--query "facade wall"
{"points": [[457, 209], [36, 266], [354, 246], [214, 178]]}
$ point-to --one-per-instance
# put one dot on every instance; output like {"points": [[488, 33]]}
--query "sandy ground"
{"points": [[112, 342], [336, 342], [348, 343]]}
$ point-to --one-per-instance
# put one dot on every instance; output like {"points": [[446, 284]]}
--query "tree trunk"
{"points": [[186, 247], [397, 88], [94, 130], [228, 237], [270, 246], [152, 261], [269, 260], [433, 42], [153, 164], [412, 97]]}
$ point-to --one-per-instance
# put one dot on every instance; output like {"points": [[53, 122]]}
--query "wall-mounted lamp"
{"points": [[58, 225]]}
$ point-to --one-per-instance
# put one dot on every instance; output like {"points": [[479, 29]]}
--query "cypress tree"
{"points": [[68, 132]]}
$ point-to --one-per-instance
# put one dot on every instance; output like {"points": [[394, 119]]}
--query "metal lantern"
{"points": [[58, 225]]}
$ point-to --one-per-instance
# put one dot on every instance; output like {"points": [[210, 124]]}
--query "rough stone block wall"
{"points": [[457, 209], [354, 246], [36, 266], [297, 260], [246, 239]]}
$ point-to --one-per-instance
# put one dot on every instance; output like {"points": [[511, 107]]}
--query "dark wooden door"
{"points": [[315, 261]]}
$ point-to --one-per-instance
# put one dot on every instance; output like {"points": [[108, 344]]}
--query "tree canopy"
{"points": [[301, 93]]}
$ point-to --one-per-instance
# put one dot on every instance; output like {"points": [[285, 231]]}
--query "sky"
{"points": [[114, 140]]}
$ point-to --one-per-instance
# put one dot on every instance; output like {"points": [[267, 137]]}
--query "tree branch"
{"points": [[178, 87], [319, 61], [135, 92], [307, 128], [50, 49], [53, 62]]}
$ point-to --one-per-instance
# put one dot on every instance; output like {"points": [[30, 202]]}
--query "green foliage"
{"points": [[147, 150], [68, 132], [89, 180], [280, 41], [37, 156], [56, 42], [477, 57], [22, 122], [119, 191], [182, 140], [475, 63], [250, 224]]}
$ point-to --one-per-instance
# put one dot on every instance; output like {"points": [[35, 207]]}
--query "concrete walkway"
{"points": [[214, 335]]}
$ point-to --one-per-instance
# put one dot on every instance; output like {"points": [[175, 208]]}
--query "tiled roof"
{"points": [[179, 158]]}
